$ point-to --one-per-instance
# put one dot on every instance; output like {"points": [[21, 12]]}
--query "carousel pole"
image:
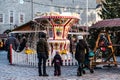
{"points": [[86, 17], [22, 1]]}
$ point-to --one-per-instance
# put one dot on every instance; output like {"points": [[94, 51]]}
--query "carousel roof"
{"points": [[58, 15], [107, 23]]}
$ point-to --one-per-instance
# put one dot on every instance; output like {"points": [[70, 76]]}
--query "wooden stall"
{"points": [[105, 54]]}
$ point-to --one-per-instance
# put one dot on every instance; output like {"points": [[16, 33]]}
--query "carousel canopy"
{"points": [[107, 23], [58, 15]]}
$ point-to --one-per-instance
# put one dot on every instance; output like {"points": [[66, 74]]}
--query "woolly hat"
{"points": [[42, 35], [11, 35], [80, 37]]}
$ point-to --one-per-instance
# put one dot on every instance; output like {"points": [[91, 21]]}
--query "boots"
{"points": [[79, 71], [45, 74]]}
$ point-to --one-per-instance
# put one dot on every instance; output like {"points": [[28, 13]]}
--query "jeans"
{"points": [[42, 63]]}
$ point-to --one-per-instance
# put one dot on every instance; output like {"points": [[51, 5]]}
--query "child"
{"points": [[57, 61]]}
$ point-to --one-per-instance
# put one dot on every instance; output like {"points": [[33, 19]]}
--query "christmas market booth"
{"points": [[106, 34]]}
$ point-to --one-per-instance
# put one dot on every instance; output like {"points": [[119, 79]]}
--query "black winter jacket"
{"points": [[57, 61], [42, 47], [80, 51]]}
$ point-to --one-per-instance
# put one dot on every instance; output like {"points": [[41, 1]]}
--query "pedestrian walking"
{"points": [[42, 52], [11, 40], [57, 61], [81, 55]]}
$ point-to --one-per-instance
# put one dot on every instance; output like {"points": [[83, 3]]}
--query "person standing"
{"points": [[11, 40], [57, 61], [23, 43], [42, 53], [80, 54], [71, 45]]}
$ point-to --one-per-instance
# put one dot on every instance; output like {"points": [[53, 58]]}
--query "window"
{"points": [[1, 18], [11, 16], [21, 18]]}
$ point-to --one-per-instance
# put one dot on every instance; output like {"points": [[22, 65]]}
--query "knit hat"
{"points": [[11, 35], [42, 35]]}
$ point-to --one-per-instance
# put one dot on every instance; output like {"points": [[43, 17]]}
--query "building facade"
{"points": [[14, 13]]}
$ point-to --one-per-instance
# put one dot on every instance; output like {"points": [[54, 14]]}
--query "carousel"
{"points": [[57, 28]]}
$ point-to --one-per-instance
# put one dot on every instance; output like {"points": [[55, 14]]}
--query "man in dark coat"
{"points": [[42, 52], [57, 61], [11, 40], [81, 52]]}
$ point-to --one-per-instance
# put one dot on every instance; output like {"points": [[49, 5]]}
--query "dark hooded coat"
{"points": [[81, 51]]}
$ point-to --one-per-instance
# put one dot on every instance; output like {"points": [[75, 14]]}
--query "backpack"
{"points": [[57, 62]]}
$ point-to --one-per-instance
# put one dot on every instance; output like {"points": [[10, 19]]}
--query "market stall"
{"points": [[105, 44]]}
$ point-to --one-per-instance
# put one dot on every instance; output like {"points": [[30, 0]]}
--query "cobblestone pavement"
{"points": [[14, 72]]}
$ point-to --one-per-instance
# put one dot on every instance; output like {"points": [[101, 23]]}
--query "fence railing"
{"points": [[20, 58]]}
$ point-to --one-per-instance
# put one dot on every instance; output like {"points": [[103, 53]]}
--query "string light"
{"points": [[57, 6]]}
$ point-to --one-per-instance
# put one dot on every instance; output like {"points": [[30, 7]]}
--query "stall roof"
{"points": [[107, 23], [24, 27]]}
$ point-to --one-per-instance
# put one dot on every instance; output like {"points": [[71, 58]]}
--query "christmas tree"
{"points": [[110, 9]]}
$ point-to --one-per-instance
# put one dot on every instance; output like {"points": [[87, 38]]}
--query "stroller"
{"points": [[86, 65]]}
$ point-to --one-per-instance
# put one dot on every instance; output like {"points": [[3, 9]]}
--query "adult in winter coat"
{"points": [[42, 52], [11, 40], [81, 54]]}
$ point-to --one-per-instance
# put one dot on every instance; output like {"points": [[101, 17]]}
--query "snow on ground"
{"points": [[15, 72]]}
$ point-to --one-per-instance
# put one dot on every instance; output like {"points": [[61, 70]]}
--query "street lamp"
{"points": [[87, 14], [31, 9], [22, 1]]}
